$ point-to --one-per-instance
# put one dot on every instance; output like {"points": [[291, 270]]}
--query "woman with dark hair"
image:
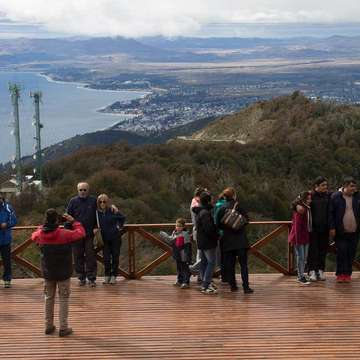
{"points": [[319, 237], [299, 235], [109, 221], [235, 244], [207, 238]]}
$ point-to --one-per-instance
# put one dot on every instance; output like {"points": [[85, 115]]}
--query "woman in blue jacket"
{"points": [[110, 221], [7, 221]]}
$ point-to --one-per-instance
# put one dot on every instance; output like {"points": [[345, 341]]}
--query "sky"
{"points": [[170, 18]]}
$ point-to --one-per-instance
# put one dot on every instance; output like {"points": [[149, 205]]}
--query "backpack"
{"points": [[233, 219]]}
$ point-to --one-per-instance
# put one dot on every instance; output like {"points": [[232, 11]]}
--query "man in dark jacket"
{"points": [[7, 221], [207, 237], [319, 237], [344, 227], [234, 243], [83, 209], [56, 265]]}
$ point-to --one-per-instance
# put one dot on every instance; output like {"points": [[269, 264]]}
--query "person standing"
{"points": [[344, 227], [319, 236], [299, 235], [181, 245], [56, 265], [207, 238], [235, 244], [7, 221], [110, 222], [83, 209], [195, 202]]}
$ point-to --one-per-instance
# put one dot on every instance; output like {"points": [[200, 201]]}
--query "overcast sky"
{"points": [[135, 18]]}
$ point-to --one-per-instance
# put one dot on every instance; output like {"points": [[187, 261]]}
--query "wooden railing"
{"points": [[149, 233]]}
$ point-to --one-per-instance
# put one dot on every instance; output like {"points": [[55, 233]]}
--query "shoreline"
{"points": [[85, 86], [100, 110]]}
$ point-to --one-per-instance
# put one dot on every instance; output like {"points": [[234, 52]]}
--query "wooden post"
{"points": [[290, 256], [131, 251]]}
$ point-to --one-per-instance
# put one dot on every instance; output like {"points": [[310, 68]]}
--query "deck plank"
{"points": [[151, 319]]}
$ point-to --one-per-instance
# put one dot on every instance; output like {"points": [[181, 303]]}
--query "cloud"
{"points": [[135, 18]]}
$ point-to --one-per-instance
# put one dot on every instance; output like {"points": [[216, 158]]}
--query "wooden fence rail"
{"points": [[149, 232]]}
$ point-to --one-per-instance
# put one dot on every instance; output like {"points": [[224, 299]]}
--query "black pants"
{"points": [[319, 243], [5, 251], [230, 263], [111, 254], [85, 258], [346, 245], [183, 272]]}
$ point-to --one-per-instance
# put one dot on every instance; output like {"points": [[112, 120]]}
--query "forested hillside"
{"points": [[300, 140], [154, 183]]}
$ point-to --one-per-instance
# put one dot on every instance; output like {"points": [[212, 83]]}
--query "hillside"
{"points": [[154, 183], [290, 141], [287, 120]]}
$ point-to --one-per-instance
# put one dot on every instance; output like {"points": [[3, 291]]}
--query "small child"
{"points": [[299, 235], [181, 245]]}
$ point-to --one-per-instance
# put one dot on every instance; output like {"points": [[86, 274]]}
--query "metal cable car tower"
{"points": [[37, 95], [14, 90]]}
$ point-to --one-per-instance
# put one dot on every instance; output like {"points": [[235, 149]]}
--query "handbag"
{"points": [[98, 239], [233, 219]]}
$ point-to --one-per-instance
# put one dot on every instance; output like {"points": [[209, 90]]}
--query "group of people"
{"points": [[319, 217], [219, 232], [218, 243], [60, 245]]}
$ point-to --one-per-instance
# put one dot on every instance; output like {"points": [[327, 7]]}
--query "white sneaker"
{"points": [[112, 280], [106, 280], [313, 276], [322, 275]]}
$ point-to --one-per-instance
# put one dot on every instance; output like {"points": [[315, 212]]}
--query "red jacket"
{"points": [[299, 233], [56, 249], [58, 236]]}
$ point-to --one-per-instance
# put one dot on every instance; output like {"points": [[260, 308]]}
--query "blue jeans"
{"points": [[207, 266], [301, 256]]}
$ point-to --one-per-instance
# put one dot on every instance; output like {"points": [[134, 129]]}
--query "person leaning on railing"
{"points": [[56, 265]]}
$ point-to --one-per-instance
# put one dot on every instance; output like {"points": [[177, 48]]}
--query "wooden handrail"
{"points": [[148, 232], [164, 225]]}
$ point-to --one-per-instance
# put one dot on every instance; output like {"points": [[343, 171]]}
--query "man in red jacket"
{"points": [[56, 264]]}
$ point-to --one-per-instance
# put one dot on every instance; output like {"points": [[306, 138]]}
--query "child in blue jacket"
{"points": [[181, 244], [7, 221]]}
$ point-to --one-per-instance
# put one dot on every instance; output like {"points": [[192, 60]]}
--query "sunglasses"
{"points": [[83, 190], [102, 202]]}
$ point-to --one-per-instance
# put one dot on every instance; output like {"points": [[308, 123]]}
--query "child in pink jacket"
{"points": [[299, 235]]}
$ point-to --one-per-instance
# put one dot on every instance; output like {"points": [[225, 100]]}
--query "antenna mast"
{"points": [[14, 90], [37, 96]]}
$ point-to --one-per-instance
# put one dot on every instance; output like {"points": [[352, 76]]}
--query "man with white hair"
{"points": [[83, 209]]}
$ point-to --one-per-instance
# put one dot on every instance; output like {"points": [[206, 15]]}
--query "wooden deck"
{"points": [[150, 319]]}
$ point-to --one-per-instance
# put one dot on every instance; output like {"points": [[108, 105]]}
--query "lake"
{"points": [[67, 109]]}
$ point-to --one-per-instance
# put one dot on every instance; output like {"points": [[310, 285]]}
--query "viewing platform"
{"points": [[151, 319], [144, 317]]}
